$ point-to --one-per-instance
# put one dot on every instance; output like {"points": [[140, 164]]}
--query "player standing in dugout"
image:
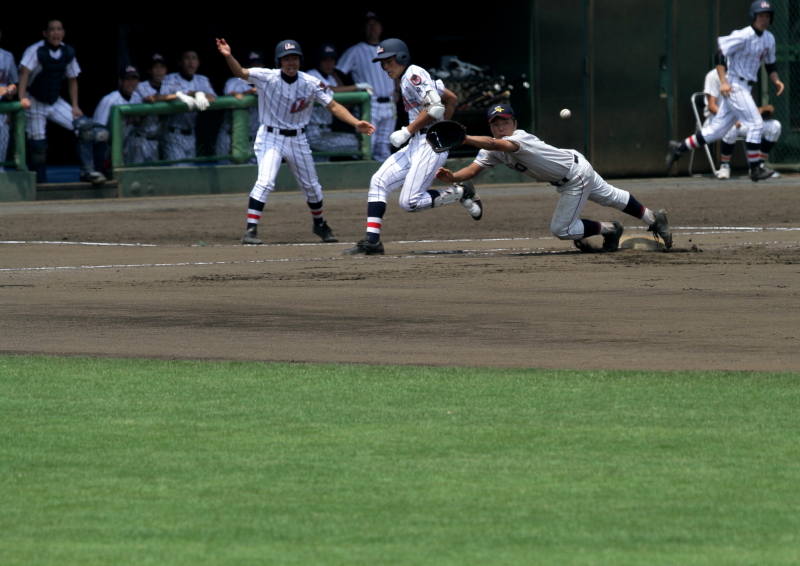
{"points": [[738, 60]]}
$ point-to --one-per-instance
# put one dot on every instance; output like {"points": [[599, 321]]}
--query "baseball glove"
{"points": [[767, 112], [445, 135]]}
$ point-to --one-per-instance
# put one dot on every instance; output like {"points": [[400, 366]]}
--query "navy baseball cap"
{"points": [[129, 71], [256, 57], [372, 16], [156, 58], [502, 110], [326, 51]]}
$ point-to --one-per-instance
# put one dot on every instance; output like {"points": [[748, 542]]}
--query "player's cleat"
{"points": [[324, 231], [672, 154], [93, 177], [724, 171], [365, 247], [471, 200], [583, 245], [660, 228], [762, 172], [250, 238], [611, 241], [776, 175]]}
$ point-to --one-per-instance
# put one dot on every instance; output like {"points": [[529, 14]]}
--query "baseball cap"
{"points": [[325, 51], [372, 16], [502, 110], [156, 58], [256, 57], [128, 71]]}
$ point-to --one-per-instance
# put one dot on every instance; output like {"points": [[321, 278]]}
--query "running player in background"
{"points": [[358, 61], [319, 134], [566, 169], [180, 141], [285, 98], [42, 71], [413, 167], [8, 90], [738, 61]]}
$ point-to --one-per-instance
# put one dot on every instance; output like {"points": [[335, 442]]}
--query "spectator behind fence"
{"points": [[144, 140], [8, 89], [179, 141], [238, 88], [319, 134], [42, 71], [125, 94], [357, 61]]}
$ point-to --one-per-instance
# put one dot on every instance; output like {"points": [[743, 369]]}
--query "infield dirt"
{"points": [[450, 291]]}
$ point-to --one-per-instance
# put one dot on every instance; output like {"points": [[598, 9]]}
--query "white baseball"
{"points": [[565, 114]]}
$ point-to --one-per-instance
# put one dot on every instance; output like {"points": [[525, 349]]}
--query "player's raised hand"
{"points": [[365, 127], [223, 47], [445, 175]]}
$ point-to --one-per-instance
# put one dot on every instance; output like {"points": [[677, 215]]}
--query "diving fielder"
{"points": [[567, 170], [739, 57], [414, 166], [285, 98]]}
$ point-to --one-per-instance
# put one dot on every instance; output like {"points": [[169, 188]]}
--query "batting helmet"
{"points": [[287, 47], [393, 48], [760, 6]]}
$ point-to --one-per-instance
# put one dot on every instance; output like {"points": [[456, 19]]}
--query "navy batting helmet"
{"points": [[760, 6], [287, 47], [393, 48]]}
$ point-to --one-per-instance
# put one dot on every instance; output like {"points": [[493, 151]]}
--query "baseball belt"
{"points": [[184, 131], [384, 99], [565, 180], [287, 133]]}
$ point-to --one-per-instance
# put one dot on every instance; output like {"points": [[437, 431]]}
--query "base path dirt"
{"points": [[170, 280]]}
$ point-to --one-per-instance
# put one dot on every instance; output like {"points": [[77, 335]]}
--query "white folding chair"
{"points": [[697, 99]]}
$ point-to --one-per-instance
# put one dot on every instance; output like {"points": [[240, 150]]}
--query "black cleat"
{"points": [[93, 177], [762, 172], [472, 195], [250, 238], [584, 246], [661, 228], [365, 247], [324, 231], [672, 154], [611, 241]]}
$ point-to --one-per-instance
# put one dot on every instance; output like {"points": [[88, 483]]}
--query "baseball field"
{"points": [[483, 394]]}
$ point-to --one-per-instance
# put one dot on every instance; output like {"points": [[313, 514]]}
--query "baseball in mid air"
{"points": [[565, 114]]}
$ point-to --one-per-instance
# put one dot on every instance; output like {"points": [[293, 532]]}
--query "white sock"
{"points": [[607, 227], [648, 217]]}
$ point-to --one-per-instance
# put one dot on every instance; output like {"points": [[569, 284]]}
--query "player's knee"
{"points": [[101, 134], [561, 231], [84, 129], [772, 130], [409, 205]]}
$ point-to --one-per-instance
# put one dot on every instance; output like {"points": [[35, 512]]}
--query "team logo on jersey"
{"points": [[298, 106], [415, 80], [323, 86], [288, 46]]}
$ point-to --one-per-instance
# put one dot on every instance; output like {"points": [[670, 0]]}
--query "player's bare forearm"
{"points": [[72, 87], [491, 144], [422, 120], [450, 101], [724, 87], [469, 172], [713, 107], [343, 114], [24, 75], [233, 64], [776, 80]]}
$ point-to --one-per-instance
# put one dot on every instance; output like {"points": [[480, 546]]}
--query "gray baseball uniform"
{"points": [[8, 76]]}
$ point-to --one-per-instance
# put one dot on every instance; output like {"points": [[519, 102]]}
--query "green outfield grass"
{"points": [[171, 462]]}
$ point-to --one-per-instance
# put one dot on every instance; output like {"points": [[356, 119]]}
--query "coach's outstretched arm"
{"points": [[345, 116], [233, 64]]}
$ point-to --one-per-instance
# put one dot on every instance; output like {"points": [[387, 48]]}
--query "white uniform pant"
{"points": [[382, 116], [584, 184], [178, 145], [37, 115], [771, 132], [140, 150], [739, 106], [270, 148], [413, 168], [5, 136]]}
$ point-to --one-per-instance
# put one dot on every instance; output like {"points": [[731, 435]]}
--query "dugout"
{"points": [[625, 68]]}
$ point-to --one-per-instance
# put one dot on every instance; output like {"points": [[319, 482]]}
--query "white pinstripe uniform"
{"points": [[8, 76], [357, 61], [179, 140], [60, 111], [772, 128], [574, 177], [144, 140], [319, 134], [103, 111], [233, 85], [745, 50], [414, 166], [284, 106]]}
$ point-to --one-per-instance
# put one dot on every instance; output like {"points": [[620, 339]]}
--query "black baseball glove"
{"points": [[445, 135]]}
